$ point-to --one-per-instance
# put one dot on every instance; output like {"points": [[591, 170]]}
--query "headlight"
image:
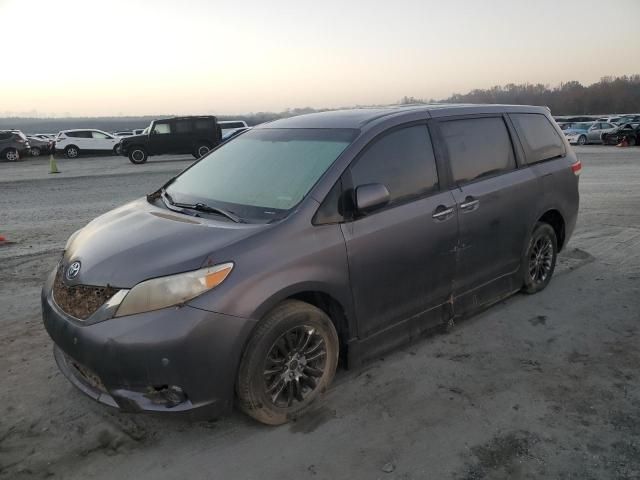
{"points": [[163, 292]]}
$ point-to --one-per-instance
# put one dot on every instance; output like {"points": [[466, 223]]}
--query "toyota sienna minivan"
{"points": [[309, 241]]}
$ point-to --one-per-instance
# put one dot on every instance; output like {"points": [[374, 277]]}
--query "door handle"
{"points": [[469, 204], [441, 213]]}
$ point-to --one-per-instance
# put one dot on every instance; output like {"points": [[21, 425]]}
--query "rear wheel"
{"points": [[138, 155], [288, 363], [539, 261], [201, 150], [71, 151], [11, 155], [35, 151], [632, 141], [582, 140]]}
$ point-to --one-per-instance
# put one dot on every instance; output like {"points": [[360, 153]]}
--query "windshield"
{"points": [[262, 173], [580, 126]]}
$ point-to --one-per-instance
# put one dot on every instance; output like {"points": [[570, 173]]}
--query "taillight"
{"points": [[576, 167]]}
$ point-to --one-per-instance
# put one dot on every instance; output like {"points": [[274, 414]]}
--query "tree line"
{"points": [[609, 95]]}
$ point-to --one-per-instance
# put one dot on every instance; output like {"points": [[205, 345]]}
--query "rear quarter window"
{"points": [[540, 139]]}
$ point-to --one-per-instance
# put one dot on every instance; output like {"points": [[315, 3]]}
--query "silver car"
{"points": [[594, 134]]}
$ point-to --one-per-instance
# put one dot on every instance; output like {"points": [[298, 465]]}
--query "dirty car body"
{"points": [[384, 274]]}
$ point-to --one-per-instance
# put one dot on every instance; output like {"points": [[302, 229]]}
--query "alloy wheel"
{"points": [[540, 260], [294, 365], [11, 155], [137, 155], [203, 150]]}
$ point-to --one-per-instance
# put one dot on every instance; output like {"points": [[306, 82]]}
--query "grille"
{"points": [[80, 301]]}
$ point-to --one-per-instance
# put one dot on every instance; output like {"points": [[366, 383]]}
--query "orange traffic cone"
{"points": [[624, 142]]}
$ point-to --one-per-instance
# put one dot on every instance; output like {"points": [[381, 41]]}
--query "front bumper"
{"points": [[131, 362]]}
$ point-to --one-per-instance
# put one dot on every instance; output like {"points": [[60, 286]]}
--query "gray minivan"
{"points": [[309, 241]]}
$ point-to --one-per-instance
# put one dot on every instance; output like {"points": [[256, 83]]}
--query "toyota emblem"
{"points": [[73, 270]]}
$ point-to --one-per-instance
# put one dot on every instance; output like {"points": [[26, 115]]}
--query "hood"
{"points": [[139, 241], [133, 138]]}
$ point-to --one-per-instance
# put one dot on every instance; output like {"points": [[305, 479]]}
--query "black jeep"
{"points": [[194, 135]]}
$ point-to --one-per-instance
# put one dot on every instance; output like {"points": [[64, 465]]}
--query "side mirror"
{"points": [[371, 197]]}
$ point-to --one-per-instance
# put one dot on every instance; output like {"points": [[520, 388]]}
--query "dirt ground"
{"points": [[543, 386]]}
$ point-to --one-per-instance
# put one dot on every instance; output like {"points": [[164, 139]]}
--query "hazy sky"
{"points": [[110, 57]]}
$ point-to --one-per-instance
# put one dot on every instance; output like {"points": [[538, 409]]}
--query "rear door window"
{"points": [[478, 147], [403, 161], [79, 134], [184, 126], [99, 135], [539, 139]]}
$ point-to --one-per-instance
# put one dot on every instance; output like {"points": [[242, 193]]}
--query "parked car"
{"points": [[340, 234], [588, 132], [13, 145], [194, 135], [230, 126], [233, 133], [613, 119], [635, 118], [630, 130], [44, 136], [577, 133], [38, 146], [75, 142]]}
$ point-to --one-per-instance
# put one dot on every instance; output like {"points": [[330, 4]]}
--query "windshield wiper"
{"points": [[202, 207]]}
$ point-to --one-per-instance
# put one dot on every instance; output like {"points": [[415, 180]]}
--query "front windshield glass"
{"points": [[581, 126], [262, 173]]}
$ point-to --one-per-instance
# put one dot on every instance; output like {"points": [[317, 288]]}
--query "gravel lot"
{"points": [[543, 386]]}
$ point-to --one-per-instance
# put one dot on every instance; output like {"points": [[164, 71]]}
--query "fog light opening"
{"points": [[168, 395]]}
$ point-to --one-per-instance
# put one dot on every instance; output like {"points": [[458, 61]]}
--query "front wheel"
{"points": [[288, 363], [632, 141], [35, 152], [582, 140], [138, 155], [71, 151], [539, 261]]}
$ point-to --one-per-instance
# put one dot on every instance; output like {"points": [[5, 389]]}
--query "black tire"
{"points": [[35, 151], [138, 155], [71, 151], [539, 260], [632, 141], [201, 150], [582, 140], [288, 363], [11, 155]]}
